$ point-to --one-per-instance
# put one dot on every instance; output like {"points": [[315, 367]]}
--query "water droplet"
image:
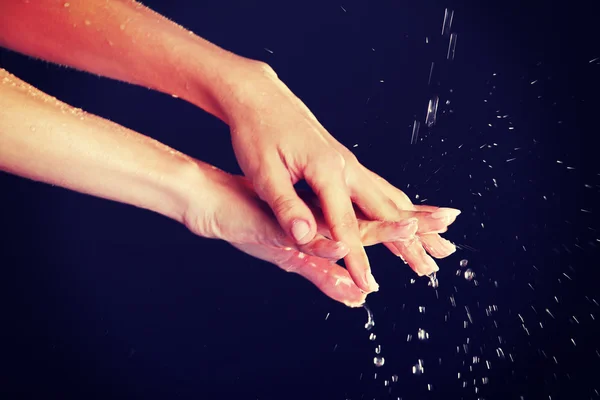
{"points": [[433, 281], [464, 263], [447, 24], [422, 335], [394, 378], [372, 337], [370, 321], [378, 361], [452, 46], [66, 5], [415, 132], [500, 353], [469, 274], [378, 349], [418, 369], [422, 309], [432, 111]]}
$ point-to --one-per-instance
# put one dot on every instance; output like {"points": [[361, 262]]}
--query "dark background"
{"points": [[101, 300]]}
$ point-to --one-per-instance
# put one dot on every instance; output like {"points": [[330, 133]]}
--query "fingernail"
{"points": [[354, 304], [446, 213], [430, 267], [449, 247], [341, 246], [300, 229], [371, 281]]}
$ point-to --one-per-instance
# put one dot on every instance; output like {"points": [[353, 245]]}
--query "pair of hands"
{"points": [[278, 142]]}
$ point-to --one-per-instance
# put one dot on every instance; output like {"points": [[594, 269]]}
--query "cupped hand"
{"points": [[278, 142], [226, 207]]}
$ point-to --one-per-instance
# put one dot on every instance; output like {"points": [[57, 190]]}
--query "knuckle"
{"points": [[261, 184], [334, 160], [282, 204], [265, 68], [403, 200], [345, 223]]}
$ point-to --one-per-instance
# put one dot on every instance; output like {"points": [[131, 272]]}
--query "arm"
{"points": [[276, 139], [46, 140], [123, 40]]}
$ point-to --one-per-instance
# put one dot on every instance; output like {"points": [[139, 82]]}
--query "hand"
{"points": [[278, 142], [235, 213]]}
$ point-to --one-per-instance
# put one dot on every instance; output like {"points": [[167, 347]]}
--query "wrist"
{"points": [[180, 189], [197, 192], [222, 82]]}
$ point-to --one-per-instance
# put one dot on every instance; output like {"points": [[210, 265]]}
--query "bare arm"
{"points": [[46, 140], [123, 40]]}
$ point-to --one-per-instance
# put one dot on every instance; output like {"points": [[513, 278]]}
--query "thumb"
{"points": [[293, 214]]}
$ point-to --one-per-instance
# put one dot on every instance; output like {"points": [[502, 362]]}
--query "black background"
{"points": [[102, 300]]}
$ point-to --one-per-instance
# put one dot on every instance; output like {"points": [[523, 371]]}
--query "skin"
{"points": [[47, 140], [126, 41]]}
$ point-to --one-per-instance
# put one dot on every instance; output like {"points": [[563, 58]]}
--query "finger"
{"points": [[384, 229], [331, 279], [444, 215], [256, 217], [402, 201], [413, 254], [274, 186], [337, 208], [437, 246], [376, 205], [375, 232], [323, 247], [334, 281], [400, 198]]}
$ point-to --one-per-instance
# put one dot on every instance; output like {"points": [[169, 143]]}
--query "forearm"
{"points": [[123, 40], [46, 140]]}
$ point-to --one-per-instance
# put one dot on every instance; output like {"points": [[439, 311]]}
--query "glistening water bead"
{"points": [[378, 361], [433, 281], [370, 321], [418, 369], [469, 274], [463, 263]]}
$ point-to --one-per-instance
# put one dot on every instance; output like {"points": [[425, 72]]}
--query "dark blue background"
{"points": [[102, 300]]}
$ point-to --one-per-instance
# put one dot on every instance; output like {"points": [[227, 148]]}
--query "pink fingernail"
{"points": [[446, 213], [341, 246], [300, 229], [430, 266], [448, 246], [371, 281]]}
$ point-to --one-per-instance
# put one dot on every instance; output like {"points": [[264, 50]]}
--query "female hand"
{"points": [[278, 142], [229, 209]]}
